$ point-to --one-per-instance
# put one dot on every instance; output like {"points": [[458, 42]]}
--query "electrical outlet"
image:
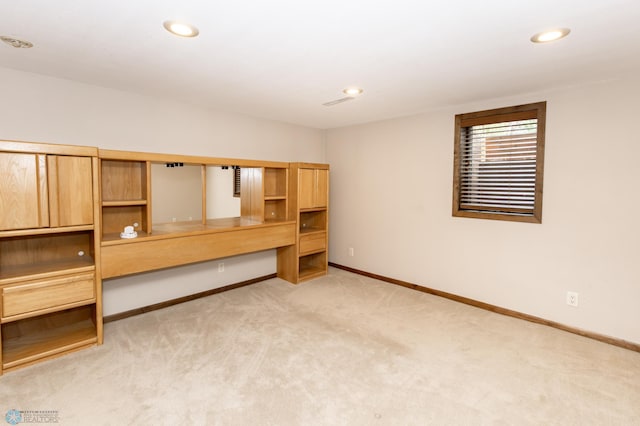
{"points": [[351, 251], [221, 267], [572, 298]]}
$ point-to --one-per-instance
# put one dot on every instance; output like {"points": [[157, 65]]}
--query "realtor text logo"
{"points": [[14, 417]]}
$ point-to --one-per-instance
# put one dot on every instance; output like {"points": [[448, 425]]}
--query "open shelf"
{"points": [[275, 210], [37, 256], [275, 183], [312, 221], [125, 195], [124, 180], [32, 339], [312, 265], [114, 219]]}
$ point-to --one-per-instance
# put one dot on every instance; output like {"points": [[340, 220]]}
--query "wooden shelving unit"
{"points": [[50, 294], [126, 195], [264, 193], [62, 209], [275, 194], [309, 204]]}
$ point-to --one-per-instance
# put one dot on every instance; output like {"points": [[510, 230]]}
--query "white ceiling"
{"points": [[282, 59]]}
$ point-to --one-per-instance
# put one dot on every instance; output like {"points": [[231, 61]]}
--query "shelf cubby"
{"points": [[124, 180], [114, 219], [275, 183], [37, 255], [275, 210], [312, 265], [125, 195], [46, 336], [312, 221]]}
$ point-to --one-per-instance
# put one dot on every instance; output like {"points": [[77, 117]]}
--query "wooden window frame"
{"points": [[513, 113]]}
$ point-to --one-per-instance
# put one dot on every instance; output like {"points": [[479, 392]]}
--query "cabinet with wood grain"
{"points": [[41, 191], [309, 205], [50, 292]]}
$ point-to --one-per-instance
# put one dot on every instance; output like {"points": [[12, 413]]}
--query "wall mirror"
{"points": [[177, 192], [221, 201]]}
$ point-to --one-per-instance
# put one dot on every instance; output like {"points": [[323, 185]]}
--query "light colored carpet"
{"points": [[340, 350]]}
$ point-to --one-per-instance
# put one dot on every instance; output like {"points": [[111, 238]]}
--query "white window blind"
{"points": [[498, 167]]}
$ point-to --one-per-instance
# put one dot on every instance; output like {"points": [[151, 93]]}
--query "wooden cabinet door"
{"points": [[306, 188], [313, 188], [70, 190], [23, 191], [322, 188]]}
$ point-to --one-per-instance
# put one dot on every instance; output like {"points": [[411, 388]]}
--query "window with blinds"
{"points": [[236, 181], [498, 158]]}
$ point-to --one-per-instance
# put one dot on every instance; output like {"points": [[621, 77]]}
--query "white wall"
{"points": [[43, 109], [391, 195], [391, 198]]}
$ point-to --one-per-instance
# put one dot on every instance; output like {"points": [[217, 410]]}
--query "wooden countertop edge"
{"points": [[181, 234]]}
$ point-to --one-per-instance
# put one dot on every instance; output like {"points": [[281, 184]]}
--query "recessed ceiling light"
{"points": [[19, 44], [180, 29], [551, 35], [352, 91]]}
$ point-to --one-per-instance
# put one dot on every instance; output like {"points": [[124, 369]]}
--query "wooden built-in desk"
{"points": [[62, 209], [181, 243]]}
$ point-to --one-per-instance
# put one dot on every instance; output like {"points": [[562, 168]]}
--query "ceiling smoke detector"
{"points": [[17, 43]]}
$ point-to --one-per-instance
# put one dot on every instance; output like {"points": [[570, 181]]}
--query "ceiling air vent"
{"points": [[338, 101], [18, 44]]}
